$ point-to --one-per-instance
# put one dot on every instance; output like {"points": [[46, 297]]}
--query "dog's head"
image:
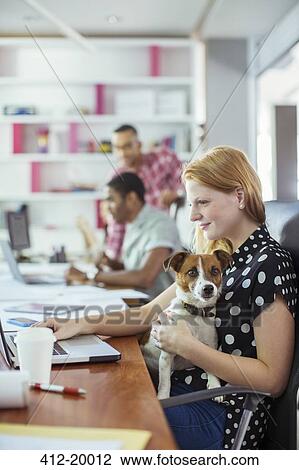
{"points": [[198, 277]]}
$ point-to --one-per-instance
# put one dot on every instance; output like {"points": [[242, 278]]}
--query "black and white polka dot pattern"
{"points": [[261, 270]]}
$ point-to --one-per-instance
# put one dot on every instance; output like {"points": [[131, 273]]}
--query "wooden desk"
{"points": [[119, 395]]}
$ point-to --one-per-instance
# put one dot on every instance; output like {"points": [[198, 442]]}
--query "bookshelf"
{"points": [[95, 119], [48, 158]]}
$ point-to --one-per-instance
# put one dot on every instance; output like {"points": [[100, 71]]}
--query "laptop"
{"points": [[27, 278], [85, 348]]}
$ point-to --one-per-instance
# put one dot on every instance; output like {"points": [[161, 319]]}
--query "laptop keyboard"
{"points": [[57, 349]]}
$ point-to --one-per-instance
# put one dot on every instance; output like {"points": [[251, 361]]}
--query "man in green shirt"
{"points": [[151, 236]]}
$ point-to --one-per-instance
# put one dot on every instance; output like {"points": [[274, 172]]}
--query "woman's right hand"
{"points": [[62, 329]]}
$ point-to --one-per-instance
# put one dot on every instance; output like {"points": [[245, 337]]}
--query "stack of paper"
{"points": [[27, 437]]}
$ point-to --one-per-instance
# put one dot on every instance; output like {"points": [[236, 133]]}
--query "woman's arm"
{"points": [[132, 321], [274, 333]]}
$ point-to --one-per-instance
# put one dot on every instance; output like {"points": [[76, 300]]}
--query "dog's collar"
{"points": [[204, 311]]}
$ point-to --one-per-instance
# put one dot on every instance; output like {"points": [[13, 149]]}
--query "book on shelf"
{"points": [[14, 110]]}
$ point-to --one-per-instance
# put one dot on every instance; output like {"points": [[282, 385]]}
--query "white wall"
{"points": [[227, 116]]}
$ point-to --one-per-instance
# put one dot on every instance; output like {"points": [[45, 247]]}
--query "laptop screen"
{"points": [[3, 347], [9, 257]]}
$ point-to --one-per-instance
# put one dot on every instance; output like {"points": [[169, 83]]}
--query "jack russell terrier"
{"points": [[198, 281]]}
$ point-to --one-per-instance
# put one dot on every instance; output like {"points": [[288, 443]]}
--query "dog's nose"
{"points": [[208, 290]]}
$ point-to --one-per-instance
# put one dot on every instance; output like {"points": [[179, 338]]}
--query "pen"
{"points": [[58, 389]]}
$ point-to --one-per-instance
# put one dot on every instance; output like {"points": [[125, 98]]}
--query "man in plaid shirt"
{"points": [[160, 172]]}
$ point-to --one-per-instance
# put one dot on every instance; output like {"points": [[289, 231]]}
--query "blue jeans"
{"points": [[198, 425]]}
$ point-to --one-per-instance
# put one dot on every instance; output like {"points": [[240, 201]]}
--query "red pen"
{"points": [[58, 389]]}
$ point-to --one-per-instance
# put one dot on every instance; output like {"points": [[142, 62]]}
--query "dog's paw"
{"points": [[162, 395], [213, 382], [218, 399]]}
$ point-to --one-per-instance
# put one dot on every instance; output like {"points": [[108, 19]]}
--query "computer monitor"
{"points": [[17, 224]]}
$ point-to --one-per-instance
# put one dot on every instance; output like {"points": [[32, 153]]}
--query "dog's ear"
{"points": [[175, 261], [224, 257]]}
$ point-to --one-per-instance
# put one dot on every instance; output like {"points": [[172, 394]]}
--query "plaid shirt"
{"points": [[159, 170]]}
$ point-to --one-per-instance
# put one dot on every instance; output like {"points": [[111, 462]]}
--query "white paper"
{"points": [[128, 293], [13, 290], [10, 442], [13, 293], [85, 290], [101, 293], [93, 308], [98, 306]]}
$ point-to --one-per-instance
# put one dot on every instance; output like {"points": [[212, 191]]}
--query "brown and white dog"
{"points": [[199, 283]]}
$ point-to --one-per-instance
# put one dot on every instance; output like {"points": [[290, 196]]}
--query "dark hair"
{"points": [[125, 128], [126, 183]]}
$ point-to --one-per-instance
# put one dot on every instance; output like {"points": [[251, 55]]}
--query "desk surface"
{"points": [[119, 395]]}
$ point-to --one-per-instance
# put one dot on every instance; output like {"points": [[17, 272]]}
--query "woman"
{"points": [[255, 311]]}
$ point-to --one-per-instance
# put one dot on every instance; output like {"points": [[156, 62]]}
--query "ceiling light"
{"points": [[113, 19]]}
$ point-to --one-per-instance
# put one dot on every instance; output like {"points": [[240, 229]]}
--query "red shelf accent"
{"points": [[18, 138], [73, 137], [35, 177], [100, 99], [155, 61]]}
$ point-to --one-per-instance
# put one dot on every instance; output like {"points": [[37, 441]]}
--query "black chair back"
{"points": [[282, 219]]}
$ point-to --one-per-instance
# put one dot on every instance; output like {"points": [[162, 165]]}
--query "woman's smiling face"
{"points": [[217, 213]]}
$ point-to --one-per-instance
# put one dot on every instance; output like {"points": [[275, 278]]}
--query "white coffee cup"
{"points": [[35, 350], [14, 389]]}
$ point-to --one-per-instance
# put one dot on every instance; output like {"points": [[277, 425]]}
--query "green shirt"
{"points": [[151, 229]]}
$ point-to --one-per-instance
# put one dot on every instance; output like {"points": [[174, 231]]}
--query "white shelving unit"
{"points": [[69, 157], [149, 67], [53, 196], [94, 119], [151, 81]]}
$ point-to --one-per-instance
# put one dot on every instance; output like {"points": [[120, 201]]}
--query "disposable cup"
{"points": [[35, 350]]}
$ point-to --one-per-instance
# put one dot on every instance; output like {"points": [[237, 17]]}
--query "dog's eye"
{"points": [[214, 271], [192, 272]]}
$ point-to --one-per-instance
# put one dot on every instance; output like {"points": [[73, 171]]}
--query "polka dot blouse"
{"points": [[261, 269]]}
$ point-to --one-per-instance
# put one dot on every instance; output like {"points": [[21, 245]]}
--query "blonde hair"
{"points": [[224, 169]]}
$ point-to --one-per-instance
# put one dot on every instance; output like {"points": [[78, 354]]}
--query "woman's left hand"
{"points": [[169, 336]]}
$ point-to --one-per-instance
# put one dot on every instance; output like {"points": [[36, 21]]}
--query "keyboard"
{"points": [[58, 350]]}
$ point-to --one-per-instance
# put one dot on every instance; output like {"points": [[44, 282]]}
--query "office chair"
{"points": [[180, 213], [175, 206], [282, 219]]}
